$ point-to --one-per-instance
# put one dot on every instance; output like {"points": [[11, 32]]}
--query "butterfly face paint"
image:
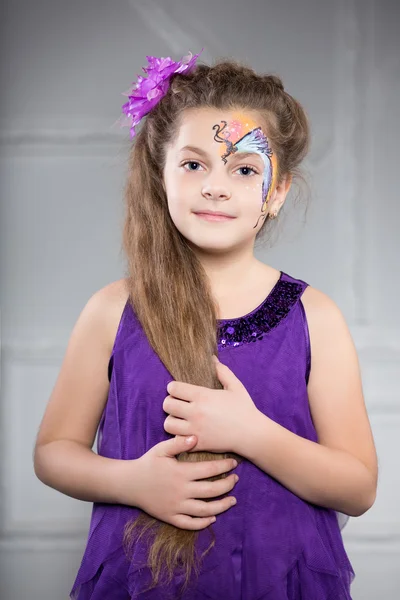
{"points": [[242, 134]]}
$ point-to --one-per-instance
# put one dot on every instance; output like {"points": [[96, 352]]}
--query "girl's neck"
{"points": [[238, 286], [225, 272]]}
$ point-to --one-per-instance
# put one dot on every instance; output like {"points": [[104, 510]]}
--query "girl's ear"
{"points": [[284, 185], [281, 190]]}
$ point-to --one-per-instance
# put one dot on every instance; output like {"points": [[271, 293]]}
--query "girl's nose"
{"points": [[215, 192]]}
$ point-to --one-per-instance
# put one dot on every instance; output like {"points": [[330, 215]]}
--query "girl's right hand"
{"points": [[169, 489]]}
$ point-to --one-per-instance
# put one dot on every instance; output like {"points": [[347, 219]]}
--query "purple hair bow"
{"points": [[145, 93]]}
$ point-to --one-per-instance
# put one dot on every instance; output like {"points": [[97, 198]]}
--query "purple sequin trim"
{"points": [[236, 332]]}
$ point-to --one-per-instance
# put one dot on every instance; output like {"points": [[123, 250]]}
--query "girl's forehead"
{"points": [[237, 121], [206, 127]]}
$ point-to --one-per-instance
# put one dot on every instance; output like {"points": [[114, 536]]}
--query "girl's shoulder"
{"points": [[113, 299], [318, 305], [326, 323]]}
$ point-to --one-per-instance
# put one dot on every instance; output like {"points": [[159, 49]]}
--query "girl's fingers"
{"points": [[212, 489], [199, 508], [192, 524], [176, 408], [209, 468], [176, 426]]}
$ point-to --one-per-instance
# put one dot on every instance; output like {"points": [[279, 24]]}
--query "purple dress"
{"points": [[271, 545]]}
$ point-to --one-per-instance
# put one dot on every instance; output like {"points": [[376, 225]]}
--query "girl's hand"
{"points": [[172, 490], [218, 418]]}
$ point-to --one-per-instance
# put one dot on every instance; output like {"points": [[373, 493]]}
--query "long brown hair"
{"points": [[168, 287]]}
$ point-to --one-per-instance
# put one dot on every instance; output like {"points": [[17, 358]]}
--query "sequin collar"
{"points": [[254, 325]]}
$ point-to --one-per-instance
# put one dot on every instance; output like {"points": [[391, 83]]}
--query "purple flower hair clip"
{"points": [[145, 93]]}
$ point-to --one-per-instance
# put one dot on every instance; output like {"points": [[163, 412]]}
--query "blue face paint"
{"points": [[249, 138]]}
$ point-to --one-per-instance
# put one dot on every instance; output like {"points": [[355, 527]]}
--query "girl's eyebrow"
{"points": [[194, 149], [203, 153]]}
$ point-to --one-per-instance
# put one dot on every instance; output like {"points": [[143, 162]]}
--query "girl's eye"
{"points": [[193, 164], [247, 170]]}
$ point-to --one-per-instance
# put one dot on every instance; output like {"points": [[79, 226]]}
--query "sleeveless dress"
{"points": [[272, 545]]}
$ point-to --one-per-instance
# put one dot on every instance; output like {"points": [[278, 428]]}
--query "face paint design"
{"points": [[230, 147], [250, 138]]}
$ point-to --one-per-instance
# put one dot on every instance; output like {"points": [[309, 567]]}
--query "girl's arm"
{"points": [[63, 456], [340, 471], [77, 471]]}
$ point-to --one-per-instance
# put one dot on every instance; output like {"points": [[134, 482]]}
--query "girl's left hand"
{"points": [[219, 418]]}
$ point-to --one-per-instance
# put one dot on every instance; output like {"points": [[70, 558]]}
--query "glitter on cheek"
{"points": [[254, 188]]}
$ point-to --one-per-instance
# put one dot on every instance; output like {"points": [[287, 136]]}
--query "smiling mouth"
{"points": [[214, 216]]}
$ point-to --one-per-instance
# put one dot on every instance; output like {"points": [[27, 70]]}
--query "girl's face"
{"points": [[221, 161]]}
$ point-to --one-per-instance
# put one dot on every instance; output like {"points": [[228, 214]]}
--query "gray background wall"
{"points": [[63, 66]]}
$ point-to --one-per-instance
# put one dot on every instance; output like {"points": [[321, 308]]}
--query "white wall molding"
{"points": [[29, 529], [71, 142], [45, 352], [354, 166], [42, 544], [365, 169], [345, 154]]}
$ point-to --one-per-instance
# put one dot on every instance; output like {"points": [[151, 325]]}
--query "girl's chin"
{"points": [[212, 246]]}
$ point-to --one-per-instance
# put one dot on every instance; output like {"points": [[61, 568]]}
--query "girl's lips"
{"points": [[209, 217]]}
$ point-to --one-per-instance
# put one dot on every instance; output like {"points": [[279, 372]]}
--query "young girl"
{"points": [[272, 437]]}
